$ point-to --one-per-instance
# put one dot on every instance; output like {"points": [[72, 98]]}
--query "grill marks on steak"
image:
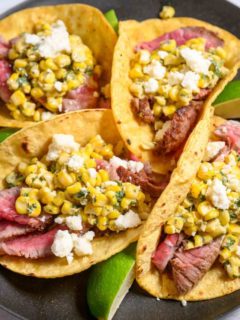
{"points": [[166, 249], [180, 126], [153, 187], [8, 212], [189, 266], [182, 35], [142, 107], [31, 246]]}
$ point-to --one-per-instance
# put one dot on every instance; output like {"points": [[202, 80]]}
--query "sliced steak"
{"points": [[143, 180], [9, 230], [189, 266], [83, 97], [5, 72], [166, 250], [4, 48], [230, 132], [104, 103], [142, 108], [8, 212], [181, 125], [182, 35], [203, 94], [30, 246]]}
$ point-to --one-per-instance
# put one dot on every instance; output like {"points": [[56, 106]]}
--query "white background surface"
{"points": [[7, 4]]}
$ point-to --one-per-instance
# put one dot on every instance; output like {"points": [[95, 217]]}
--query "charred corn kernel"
{"points": [[18, 98], [207, 238], [74, 188], [205, 171], [215, 229], [234, 229], [20, 63], [114, 214], [212, 214], [62, 60], [51, 209], [101, 200], [198, 241], [167, 12], [136, 71], [168, 45], [37, 93], [157, 110], [104, 175], [224, 217], [102, 223], [67, 207], [65, 178], [126, 203], [169, 110]]}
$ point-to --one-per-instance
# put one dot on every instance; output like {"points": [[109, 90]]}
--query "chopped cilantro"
{"points": [[229, 242], [22, 80], [82, 194], [31, 207], [120, 195], [238, 202], [233, 215], [52, 167], [202, 197]]}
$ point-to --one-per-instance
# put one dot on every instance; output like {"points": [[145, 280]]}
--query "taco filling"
{"points": [[206, 226], [57, 205], [171, 77], [48, 72]]}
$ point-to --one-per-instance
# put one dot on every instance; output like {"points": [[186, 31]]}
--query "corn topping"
{"points": [[171, 76], [45, 68], [212, 209], [68, 182]]}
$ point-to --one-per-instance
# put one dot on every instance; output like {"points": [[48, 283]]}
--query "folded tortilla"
{"points": [[215, 283], [83, 20], [34, 141], [132, 33]]}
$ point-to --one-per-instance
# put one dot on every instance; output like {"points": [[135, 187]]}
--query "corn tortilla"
{"points": [[131, 33], [33, 141], [215, 283], [83, 20]]}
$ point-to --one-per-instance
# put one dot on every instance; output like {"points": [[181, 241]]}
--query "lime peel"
{"points": [[109, 282]]}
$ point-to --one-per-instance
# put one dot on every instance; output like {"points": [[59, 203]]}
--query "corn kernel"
{"points": [[198, 241], [212, 214], [157, 110], [136, 71], [225, 254], [169, 229], [224, 217], [65, 178], [234, 229], [59, 199], [114, 214], [205, 171], [167, 12], [20, 63], [18, 98], [169, 110], [74, 188], [62, 60], [169, 45], [102, 223], [37, 93], [101, 200], [51, 209], [67, 207]]}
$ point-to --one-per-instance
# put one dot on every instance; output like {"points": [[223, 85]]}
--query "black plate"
{"points": [[62, 299]]}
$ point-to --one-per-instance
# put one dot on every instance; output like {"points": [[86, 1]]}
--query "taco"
{"points": [[189, 248], [53, 60], [165, 73], [71, 195]]}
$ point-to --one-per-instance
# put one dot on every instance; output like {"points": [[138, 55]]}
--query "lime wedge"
{"points": [[109, 282], [112, 18], [5, 133], [227, 104]]}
